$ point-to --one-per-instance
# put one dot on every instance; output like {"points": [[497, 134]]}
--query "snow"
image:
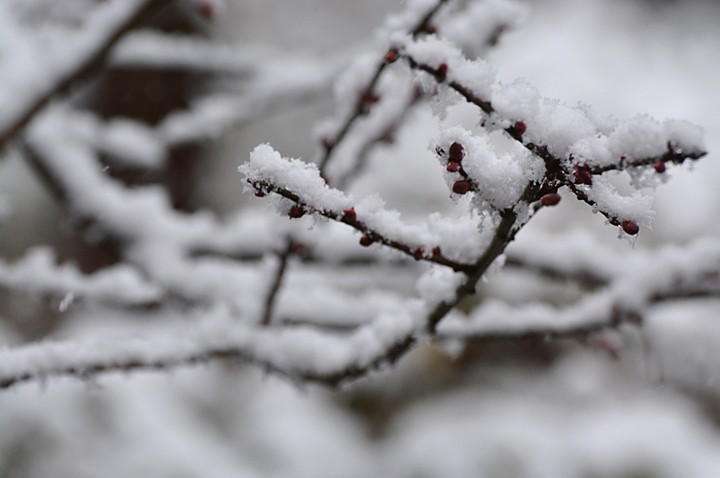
{"points": [[474, 29], [438, 285], [408, 18], [284, 80], [593, 431], [397, 95], [292, 351], [477, 75], [639, 281], [152, 50], [500, 178], [266, 165], [37, 273], [565, 130], [462, 239], [636, 139], [34, 61], [126, 141], [638, 206]]}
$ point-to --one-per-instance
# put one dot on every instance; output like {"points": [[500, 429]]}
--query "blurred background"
{"points": [[519, 409]]}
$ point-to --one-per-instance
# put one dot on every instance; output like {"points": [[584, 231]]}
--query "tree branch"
{"points": [[361, 103], [276, 283], [86, 67]]}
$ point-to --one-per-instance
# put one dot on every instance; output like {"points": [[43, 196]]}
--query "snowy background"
{"points": [[634, 403]]}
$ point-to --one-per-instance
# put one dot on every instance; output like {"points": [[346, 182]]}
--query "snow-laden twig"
{"points": [[662, 276], [61, 63], [415, 20], [568, 141], [499, 174], [280, 82], [151, 50], [270, 300], [576, 147], [277, 84], [155, 238], [139, 223], [295, 352], [37, 273], [303, 186], [373, 95], [362, 123], [311, 355]]}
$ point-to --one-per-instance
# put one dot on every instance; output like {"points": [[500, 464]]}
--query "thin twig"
{"points": [[555, 166], [435, 256], [583, 277], [277, 282], [330, 144], [85, 369]]}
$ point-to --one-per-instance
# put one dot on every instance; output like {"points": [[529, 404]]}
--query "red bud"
{"points": [[366, 240], [349, 215], [461, 186], [296, 212], [630, 227], [550, 199]]}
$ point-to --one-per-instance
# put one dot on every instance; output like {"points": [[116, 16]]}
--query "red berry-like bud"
{"points": [[441, 72], [453, 167], [659, 167], [461, 186], [296, 212], [369, 97], [456, 153], [366, 99], [550, 199], [436, 252], [630, 227], [366, 240], [518, 129], [582, 175], [419, 253], [391, 56], [349, 215]]}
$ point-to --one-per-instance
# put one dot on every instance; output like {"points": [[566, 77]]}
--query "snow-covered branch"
{"points": [[577, 148], [311, 355], [259, 271], [78, 55], [38, 274], [663, 276], [428, 269]]}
